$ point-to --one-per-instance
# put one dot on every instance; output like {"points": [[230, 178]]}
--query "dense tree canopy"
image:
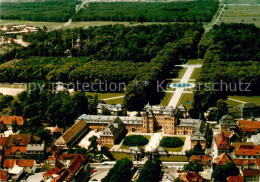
{"points": [[135, 140], [151, 171], [171, 142], [221, 173], [121, 171]]}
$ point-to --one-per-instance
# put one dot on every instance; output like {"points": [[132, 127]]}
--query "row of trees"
{"points": [[44, 106], [195, 11], [159, 67], [151, 171], [231, 67], [121, 171], [50, 11]]}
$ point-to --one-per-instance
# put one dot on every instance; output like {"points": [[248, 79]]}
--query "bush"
{"points": [[135, 140], [171, 142]]}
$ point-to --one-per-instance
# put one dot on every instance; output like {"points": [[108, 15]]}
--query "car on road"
{"points": [[105, 164], [94, 170], [94, 179]]}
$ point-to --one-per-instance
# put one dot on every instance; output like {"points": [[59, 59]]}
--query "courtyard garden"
{"points": [[173, 144], [135, 140]]}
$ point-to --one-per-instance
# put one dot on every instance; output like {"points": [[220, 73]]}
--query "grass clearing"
{"points": [[196, 73], [195, 61], [177, 149], [102, 96], [253, 99], [166, 99], [241, 14], [174, 158], [186, 100], [119, 156]]}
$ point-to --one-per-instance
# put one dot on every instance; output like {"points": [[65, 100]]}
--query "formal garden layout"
{"points": [[174, 144], [135, 141]]}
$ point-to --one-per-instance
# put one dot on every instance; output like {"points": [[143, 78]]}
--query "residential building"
{"points": [[113, 133], [191, 177], [9, 120], [186, 126], [21, 140], [114, 110], [2, 143], [222, 143], [248, 128], [70, 137], [204, 160], [255, 139], [35, 151], [235, 179], [78, 170], [245, 110], [223, 158], [251, 175], [198, 137], [15, 152], [3, 176], [54, 130], [247, 152], [227, 123], [28, 165]]}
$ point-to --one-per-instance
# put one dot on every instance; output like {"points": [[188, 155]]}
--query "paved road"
{"points": [[179, 91]]}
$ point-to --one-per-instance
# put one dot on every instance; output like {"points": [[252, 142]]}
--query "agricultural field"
{"points": [[241, 14], [49, 11], [198, 11]]}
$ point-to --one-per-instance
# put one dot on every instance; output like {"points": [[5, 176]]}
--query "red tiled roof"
{"points": [[21, 149], [25, 162], [3, 140], [251, 172], [9, 163], [3, 175], [235, 179], [19, 140], [228, 134], [74, 166], [223, 158], [253, 150], [203, 159], [221, 141], [191, 177], [248, 126], [244, 162], [8, 120]]}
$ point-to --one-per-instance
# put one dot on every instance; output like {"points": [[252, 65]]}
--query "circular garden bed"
{"points": [[171, 142], [135, 140]]}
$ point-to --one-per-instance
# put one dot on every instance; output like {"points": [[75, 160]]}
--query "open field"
{"points": [[253, 99], [195, 61], [119, 156], [186, 97], [49, 25], [166, 99], [174, 158], [51, 11], [102, 96], [177, 149], [241, 14], [144, 11]]}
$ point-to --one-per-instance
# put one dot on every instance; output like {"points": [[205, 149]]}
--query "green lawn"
{"points": [[195, 61], [127, 147], [196, 73], [166, 99], [186, 97], [115, 101], [177, 149], [253, 99], [119, 156], [181, 73], [104, 95], [174, 158]]}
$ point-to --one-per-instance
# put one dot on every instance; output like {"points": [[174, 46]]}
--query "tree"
{"points": [[121, 171], [222, 109], [194, 166], [197, 150], [3, 128], [193, 113], [222, 172], [93, 143], [151, 171], [45, 135]]}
